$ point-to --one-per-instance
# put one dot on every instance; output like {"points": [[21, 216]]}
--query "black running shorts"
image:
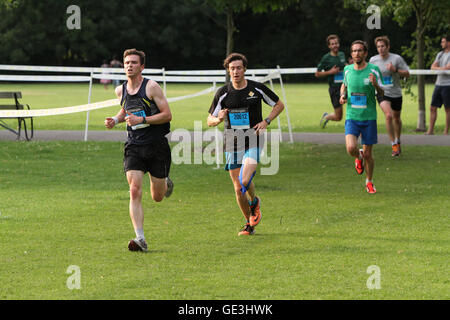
{"points": [[335, 95], [154, 158], [396, 103], [441, 96]]}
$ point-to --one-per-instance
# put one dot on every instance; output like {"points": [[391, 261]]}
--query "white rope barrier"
{"points": [[84, 107]]}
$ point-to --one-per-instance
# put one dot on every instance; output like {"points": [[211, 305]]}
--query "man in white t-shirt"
{"points": [[393, 68], [441, 93]]}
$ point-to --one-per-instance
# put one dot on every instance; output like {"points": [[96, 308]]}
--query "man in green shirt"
{"points": [[361, 80], [332, 65]]}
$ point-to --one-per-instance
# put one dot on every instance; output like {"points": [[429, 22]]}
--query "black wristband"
{"points": [[144, 120]]}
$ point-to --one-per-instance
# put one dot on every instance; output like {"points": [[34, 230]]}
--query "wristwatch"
{"points": [[267, 120], [144, 120]]}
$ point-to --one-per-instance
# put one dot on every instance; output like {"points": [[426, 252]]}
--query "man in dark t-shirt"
{"points": [[146, 111], [238, 105], [331, 66]]}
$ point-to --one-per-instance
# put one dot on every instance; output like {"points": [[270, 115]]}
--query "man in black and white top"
{"points": [[238, 105]]}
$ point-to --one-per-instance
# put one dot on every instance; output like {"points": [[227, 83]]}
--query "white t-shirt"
{"points": [[392, 87], [443, 59]]}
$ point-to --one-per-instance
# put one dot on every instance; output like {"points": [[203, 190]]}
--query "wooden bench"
{"points": [[21, 123]]}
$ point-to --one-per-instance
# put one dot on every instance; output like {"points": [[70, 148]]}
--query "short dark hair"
{"points": [[363, 43], [133, 51], [384, 39], [233, 57], [331, 37], [447, 37]]}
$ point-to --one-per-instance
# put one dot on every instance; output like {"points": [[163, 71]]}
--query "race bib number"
{"points": [[387, 81], [339, 77], [358, 100], [141, 125], [239, 119]]}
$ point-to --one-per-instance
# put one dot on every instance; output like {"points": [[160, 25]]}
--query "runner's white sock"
{"points": [[140, 234], [367, 181]]}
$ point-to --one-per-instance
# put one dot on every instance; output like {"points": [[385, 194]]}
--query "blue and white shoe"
{"points": [[323, 120]]}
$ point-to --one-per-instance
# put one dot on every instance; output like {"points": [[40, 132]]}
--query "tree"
{"points": [[429, 14], [230, 8]]}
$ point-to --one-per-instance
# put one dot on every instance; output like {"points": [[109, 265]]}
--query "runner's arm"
{"points": [[110, 122], [154, 92]]}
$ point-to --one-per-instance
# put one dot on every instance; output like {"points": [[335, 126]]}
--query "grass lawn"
{"points": [[306, 103], [66, 203]]}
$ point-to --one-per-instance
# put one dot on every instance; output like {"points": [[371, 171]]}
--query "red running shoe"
{"points": [[370, 188], [359, 163]]}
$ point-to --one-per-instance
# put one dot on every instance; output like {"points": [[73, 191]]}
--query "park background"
{"points": [[320, 231]]}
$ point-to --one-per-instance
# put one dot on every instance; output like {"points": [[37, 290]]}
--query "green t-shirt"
{"points": [[327, 62], [361, 103]]}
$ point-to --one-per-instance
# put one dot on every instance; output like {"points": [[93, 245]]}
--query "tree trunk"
{"points": [[230, 33], [421, 119]]}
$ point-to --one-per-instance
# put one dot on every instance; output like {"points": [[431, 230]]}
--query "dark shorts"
{"points": [[396, 103], [154, 158], [367, 130], [441, 96], [335, 95]]}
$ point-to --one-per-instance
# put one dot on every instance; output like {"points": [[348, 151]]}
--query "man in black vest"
{"points": [[146, 111]]}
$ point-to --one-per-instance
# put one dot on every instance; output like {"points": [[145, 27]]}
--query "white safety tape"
{"points": [[71, 69], [82, 108], [45, 78], [57, 111]]}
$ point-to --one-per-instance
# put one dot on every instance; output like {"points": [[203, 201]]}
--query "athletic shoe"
{"points": [[370, 188], [247, 230], [169, 187], [395, 150], [323, 120], [256, 214], [359, 163], [137, 245]]}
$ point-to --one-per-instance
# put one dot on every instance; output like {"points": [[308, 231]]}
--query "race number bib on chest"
{"points": [[140, 113], [387, 81], [239, 118], [339, 77], [358, 100]]}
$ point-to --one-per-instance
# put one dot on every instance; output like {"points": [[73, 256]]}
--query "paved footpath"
{"points": [[317, 138]]}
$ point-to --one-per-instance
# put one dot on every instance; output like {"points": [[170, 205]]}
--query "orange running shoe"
{"points": [[256, 214], [359, 163], [247, 230], [395, 150], [370, 188]]}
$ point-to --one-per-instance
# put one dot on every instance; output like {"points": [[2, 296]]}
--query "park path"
{"points": [[316, 138]]}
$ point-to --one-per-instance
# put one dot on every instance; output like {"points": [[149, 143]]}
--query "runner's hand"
{"points": [[132, 119], [373, 79], [334, 70], [222, 114], [109, 123], [260, 127]]}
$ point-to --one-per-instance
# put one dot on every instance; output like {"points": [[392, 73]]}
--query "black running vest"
{"points": [[140, 105]]}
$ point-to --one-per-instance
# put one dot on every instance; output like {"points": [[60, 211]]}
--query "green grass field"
{"points": [[306, 104], [66, 203]]}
